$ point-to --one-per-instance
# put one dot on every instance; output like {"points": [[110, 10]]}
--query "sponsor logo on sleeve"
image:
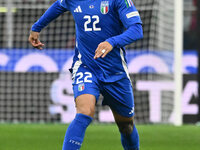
{"points": [[132, 14]]}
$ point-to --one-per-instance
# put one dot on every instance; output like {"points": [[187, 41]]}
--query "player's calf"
{"points": [[85, 105], [126, 127], [129, 134], [76, 131], [130, 138]]}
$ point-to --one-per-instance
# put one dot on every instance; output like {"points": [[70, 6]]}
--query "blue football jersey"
{"points": [[95, 22]]}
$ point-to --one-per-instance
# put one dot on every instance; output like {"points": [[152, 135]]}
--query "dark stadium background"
{"points": [[25, 97]]}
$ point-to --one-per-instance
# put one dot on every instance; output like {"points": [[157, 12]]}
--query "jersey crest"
{"points": [[81, 87], [104, 7]]}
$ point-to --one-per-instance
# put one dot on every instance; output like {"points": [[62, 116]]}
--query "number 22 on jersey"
{"points": [[83, 77], [89, 20]]}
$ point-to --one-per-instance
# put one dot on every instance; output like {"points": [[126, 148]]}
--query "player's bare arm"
{"points": [[34, 40], [103, 49], [52, 13]]}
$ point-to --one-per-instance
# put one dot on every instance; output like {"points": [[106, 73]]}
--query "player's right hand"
{"points": [[34, 40]]}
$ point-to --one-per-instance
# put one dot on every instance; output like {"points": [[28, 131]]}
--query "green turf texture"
{"points": [[98, 137]]}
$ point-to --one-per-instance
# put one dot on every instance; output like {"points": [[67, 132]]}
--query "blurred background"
{"points": [[35, 86], [36, 96]]}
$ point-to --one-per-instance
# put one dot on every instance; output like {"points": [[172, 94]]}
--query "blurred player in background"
{"points": [[99, 64]]}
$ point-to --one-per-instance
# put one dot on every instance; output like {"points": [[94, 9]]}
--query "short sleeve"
{"points": [[127, 12], [63, 4]]}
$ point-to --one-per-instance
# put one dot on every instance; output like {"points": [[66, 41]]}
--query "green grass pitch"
{"points": [[98, 137]]}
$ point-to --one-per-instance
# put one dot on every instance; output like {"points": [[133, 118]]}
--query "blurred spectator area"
{"points": [[23, 13], [23, 18], [190, 24]]}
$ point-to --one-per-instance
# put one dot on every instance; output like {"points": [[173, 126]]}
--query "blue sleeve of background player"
{"points": [[52, 13], [131, 20]]}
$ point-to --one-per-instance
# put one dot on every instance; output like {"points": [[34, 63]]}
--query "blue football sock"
{"points": [[130, 142], [76, 131]]}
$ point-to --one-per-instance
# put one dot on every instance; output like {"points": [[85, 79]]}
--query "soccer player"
{"points": [[99, 64]]}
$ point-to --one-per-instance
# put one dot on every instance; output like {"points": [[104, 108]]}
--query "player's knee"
{"points": [[85, 104], [125, 127], [89, 111]]}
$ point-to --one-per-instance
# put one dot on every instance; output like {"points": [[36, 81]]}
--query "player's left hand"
{"points": [[103, 49]]}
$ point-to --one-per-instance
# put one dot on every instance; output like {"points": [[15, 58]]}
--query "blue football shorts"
{"points": [[117, 95]]}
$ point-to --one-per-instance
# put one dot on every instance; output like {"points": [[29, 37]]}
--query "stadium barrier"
{"points": [[36, 86]]}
